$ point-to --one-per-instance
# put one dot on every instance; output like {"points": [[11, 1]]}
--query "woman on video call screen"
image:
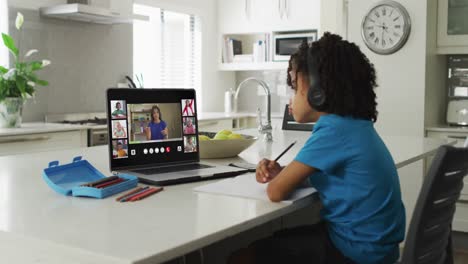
{"points": [[157, 128]]}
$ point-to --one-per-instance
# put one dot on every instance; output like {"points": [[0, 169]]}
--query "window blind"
{"points": [[167, 49], [3, 29]]}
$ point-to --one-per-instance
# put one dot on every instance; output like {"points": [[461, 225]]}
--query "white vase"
{"points": [[11, 111]]}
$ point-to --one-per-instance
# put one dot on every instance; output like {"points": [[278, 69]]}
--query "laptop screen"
{"points": [[151, 127]]}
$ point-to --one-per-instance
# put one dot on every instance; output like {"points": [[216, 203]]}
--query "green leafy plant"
{"points": [[20, 80]]}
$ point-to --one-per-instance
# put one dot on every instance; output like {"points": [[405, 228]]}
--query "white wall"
{"points": [[401, 76], [85, 60], [332, 18], [214, 82]]}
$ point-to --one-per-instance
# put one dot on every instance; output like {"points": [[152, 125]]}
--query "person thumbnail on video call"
{"points": [[119, 149], [189, 125], [118, 109], [154, 122], [188, 107], [119, 128], [190, 144]]}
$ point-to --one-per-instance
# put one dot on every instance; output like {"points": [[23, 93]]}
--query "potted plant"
{"points": [[19, 82]]}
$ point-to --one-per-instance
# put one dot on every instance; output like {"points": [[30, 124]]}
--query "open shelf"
{"points": [[253, 66]]}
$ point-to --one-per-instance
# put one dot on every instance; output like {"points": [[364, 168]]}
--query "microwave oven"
{"points": [[286, 43]]}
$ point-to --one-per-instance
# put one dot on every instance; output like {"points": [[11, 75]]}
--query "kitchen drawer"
{"points": [[11, 145]]}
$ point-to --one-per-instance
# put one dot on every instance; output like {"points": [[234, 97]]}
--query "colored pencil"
{"points": [[93, 183], [128, 197], [146, 194], [137, 189], [286, 150], [109, 183]]}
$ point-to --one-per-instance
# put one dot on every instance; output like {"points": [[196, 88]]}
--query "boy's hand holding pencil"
{"points": [[267, 170]]}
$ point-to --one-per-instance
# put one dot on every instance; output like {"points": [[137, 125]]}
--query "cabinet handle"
{"points": [[247, 9], [26, 139], [286, 8]]}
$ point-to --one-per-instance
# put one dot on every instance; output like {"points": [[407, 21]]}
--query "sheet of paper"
{"points": [[247, 186]]}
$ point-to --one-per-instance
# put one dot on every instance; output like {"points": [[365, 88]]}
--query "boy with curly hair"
{"points": [[344, 159]]}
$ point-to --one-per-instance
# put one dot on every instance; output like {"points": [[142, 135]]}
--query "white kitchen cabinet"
{"points": [[299, 15], [452, 28], [460, 221], [28, 143], [253, 16], [251, 20], [233, 16]]}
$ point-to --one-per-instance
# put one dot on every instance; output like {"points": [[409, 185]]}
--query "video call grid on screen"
{"points": [[144, 142]]}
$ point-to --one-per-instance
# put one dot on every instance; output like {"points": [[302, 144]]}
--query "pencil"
{"points": [[146, 194], [128, 197], [284, 151], [129, 193], [109, 183], [93, 183]]}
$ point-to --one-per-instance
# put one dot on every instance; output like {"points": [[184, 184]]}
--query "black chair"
{"points": [[429, 238]]}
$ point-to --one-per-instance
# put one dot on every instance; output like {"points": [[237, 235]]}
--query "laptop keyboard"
{"points": [[172, 169]]}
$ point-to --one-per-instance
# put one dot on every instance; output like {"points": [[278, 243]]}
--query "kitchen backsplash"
{"points": [[86, 60], [250, 98]]}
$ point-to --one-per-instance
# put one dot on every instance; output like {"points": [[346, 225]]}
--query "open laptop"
{"points": [[153, 134]]}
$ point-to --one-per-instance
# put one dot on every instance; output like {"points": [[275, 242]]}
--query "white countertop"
{"points": [[161, 227], [43, 251], [39, 127], [404, 150]]}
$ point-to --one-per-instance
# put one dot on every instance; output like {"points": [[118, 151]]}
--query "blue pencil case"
{"points": [[66, 179]]}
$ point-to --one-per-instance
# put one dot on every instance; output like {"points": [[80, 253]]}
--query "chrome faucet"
{"points": [[263, 129]]}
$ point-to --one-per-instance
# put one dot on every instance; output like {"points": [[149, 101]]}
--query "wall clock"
{"points": [[386, 27]]}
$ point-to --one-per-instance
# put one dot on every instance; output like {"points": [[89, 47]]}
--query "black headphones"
{"points": [[315, 95]]}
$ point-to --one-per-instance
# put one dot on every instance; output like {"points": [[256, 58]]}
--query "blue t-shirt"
{"points": [[156, 129], [358, 184]]}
